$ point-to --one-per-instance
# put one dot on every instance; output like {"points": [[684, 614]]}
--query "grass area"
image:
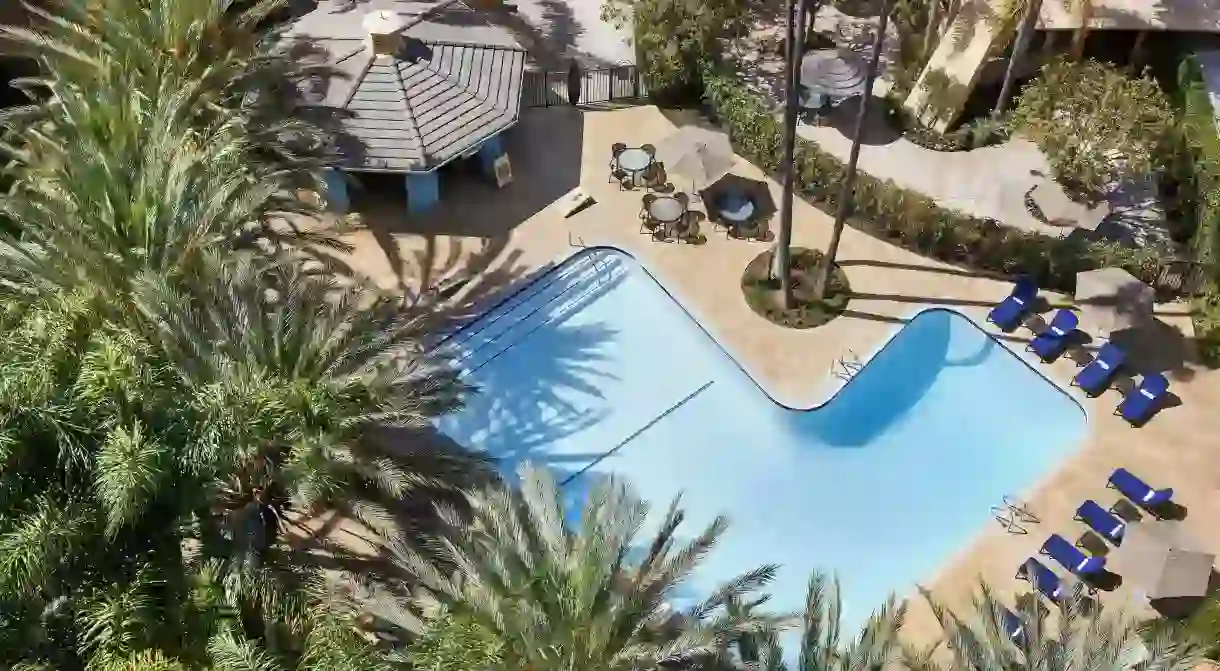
{"points": [[762, 293]]}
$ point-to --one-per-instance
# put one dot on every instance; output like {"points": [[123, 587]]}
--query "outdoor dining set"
{"points": [[692, 164]]}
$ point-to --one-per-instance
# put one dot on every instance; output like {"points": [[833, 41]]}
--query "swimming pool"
{"points": [[596, 369]]}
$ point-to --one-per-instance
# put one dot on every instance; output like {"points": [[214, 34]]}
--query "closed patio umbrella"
{"points": [[837, 73], [1112, 299], [1161, 559], [696, 155]]}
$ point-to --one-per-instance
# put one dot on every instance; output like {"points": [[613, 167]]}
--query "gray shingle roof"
{"points": [[433, 101]]}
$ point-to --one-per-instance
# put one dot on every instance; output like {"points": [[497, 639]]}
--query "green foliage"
{"points": [[1095, 124], [1083, 635], [455, 643], [675, 39], [558, 598], [1204, 626], [911, 219], [1197, 201]]}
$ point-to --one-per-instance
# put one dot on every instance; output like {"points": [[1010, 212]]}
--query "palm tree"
{"points": [[590, 596], [286, 374], [847, 193], [795, 36], [1083, 636], [875, 648], [214, 53]]}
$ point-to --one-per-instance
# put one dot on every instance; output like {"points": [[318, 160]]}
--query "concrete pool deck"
{"points": [[506, 235]]}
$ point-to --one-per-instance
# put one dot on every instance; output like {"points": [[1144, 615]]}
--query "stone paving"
{"points": [[509, 234]]}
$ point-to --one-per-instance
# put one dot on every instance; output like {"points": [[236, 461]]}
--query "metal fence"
{"points": [[602, 85]]}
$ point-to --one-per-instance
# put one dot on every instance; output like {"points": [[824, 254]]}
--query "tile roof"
{"points": [[433, 101]]}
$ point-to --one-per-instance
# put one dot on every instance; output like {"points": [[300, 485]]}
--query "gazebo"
{"points": [[423, 84]]}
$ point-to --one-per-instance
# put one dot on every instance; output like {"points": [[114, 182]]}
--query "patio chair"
{"points": [[649, 149], [1137, 490], [1011, 624], [1049, 344], [1007, 315], [1096, 376], [1071, 557], [1141, 403], [647, 223], [1042, 578], [1102, 521]]}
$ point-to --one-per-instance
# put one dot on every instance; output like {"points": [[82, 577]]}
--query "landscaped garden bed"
{"points": [[913, 220], [764, 296]]}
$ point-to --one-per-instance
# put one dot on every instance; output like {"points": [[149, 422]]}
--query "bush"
{"points": [[1095, 124], [1198, 196], [910, 219]]}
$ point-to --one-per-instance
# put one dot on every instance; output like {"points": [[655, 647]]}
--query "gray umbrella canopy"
{"points": [[837, 73], [1163, 560], [696, 156], [1112, 299]]}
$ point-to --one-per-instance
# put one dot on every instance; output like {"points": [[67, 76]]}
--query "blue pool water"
{"points": [[596, 369]]}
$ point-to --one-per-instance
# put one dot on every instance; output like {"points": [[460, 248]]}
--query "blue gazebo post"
{"points": [[423, 191], [492, 149], [336, 190]]}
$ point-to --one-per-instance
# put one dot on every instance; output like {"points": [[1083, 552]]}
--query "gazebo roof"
{"points": [[453, 82]]}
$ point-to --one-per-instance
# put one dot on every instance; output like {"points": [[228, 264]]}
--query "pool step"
{"points": [[538, 306]]}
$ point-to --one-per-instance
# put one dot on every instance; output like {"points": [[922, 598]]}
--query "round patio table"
{"points": [[666, 210], [634, 161]]}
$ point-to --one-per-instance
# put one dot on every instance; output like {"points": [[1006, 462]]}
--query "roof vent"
{"points": [[384, 29]]}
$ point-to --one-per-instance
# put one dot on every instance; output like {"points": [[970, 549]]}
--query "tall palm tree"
{"points": [[822, 648], [847, 193], [1083, 636], [795, 39], [215, 53], [590, 595]]}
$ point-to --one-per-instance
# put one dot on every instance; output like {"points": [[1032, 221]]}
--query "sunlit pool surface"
{"points": [[596, 369]]}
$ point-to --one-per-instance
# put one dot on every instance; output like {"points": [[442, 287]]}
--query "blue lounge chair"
{"points": [[1007, 315], [1142, 402], [1137, 490], [1101, 520], [1050, 343], [1071, 558], [1011, 624], [1042, 578], [1095, 378]]}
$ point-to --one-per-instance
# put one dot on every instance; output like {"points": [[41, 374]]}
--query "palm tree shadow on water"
{"points": [[537, 370]]}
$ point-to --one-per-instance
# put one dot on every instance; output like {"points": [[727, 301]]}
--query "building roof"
{"points": [[455, 81]]}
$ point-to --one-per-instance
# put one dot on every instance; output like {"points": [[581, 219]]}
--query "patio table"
{"points": [[666, 210], [635, 161]]}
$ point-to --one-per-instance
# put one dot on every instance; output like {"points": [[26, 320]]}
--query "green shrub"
{"points": [[1198, 196], [911, 219]]}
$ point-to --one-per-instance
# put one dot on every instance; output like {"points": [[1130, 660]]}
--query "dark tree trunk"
{"points": [[846, 195], [782, 261], [1024, 34]]}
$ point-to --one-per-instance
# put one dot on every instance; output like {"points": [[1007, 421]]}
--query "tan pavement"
{"points": [[505, 235]]}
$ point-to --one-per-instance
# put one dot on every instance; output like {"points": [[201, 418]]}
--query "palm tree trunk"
{"points": [[849, 180], [931, 31], [781, 256], [1024, 34]]}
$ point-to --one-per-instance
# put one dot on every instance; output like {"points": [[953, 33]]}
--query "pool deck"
{"points": [[504, 236]]}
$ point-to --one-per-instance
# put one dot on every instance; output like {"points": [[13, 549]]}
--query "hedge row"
{"points": [[1198, 127], [912, 220]]}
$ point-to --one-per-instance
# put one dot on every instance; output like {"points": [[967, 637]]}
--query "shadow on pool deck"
{"points": [[516, 427]]}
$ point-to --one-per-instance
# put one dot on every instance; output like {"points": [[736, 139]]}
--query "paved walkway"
{"points": [[512, 233]]}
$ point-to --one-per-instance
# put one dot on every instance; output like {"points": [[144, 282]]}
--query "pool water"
{"points": [[596, 369]]}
